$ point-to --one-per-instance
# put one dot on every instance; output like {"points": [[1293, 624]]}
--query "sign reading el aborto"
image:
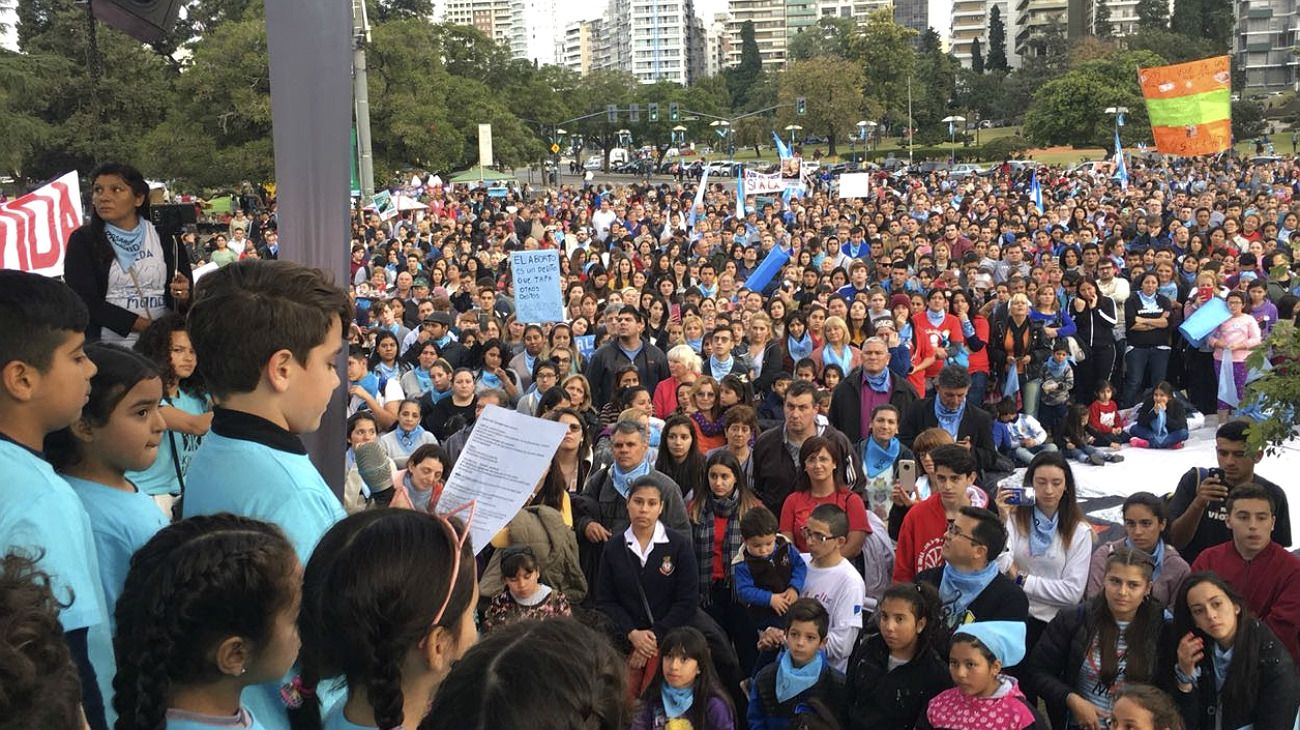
{"points": [[539, 295], [1190, 106], [34, 229]]}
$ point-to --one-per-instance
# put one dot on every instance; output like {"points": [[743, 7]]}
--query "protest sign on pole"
{"points": [[506, 455], [539, 296], [485, 145], [1190, 106], [34, 228]]}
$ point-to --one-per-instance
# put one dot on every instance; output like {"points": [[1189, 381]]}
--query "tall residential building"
{"points": [[527, 27], [914, 14], [770, 30], [855, 9], [1264, 42], [577, 50], [491, 17], [654, 40], [1123, 16], [970, 20], [717, 44], [1032, 17]]}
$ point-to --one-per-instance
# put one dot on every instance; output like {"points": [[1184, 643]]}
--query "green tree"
{"points": [[746, 73], [1070, 110], [383, 11], [936, 81], [1277, 392], [1153, 14], [1102, 27], [833, 90], [976, 57], [997, 60], [1247, 119], [1207, 21], [983, 95], [830, 36], [1172, 47], [885, 48]]}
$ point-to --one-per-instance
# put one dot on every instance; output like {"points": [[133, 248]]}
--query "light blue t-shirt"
{"points": [[122, 522], [161, 477], [255, 480], [41, 515], [334, 720], [181, 720]]}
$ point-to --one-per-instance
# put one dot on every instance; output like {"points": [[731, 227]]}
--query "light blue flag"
{"points": [[1121, 169], [1036, 192], [699, 199], [740, 193], [781, 149]]}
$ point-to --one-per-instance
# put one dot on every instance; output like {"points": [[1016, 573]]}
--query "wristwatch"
{"points": [[1020, 580]]}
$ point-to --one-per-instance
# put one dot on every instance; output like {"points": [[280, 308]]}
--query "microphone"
{"points": [[373, 466]]}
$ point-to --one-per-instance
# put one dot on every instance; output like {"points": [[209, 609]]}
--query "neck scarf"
{"points": [[791, 680], [799, 349], [529, 362], [878, 382], [721, 368], [843, 359], [1041, 531], [491, 380], [949, 420], [935, 318], [128, 246], [443, 341], [709, 427], [1057, 369], [1149, 302], [958, 589], [1222, 663], [696, 345], [876, 458], [623, 479], [1160, 426], [732, 540], [677, 701], [387, 372], [1158, 554], [370, 383], [1170, 290], [437, 396], [424, 379], [409, 439]]}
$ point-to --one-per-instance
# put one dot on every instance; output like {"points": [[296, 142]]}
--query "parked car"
{"points": [[966, 169], [593, 163]]}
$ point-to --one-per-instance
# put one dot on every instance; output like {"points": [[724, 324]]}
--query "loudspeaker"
{"points": [[170, 220], [143, 20]]}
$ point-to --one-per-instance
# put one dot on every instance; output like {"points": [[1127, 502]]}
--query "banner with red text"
{"points": [[34, 229]]}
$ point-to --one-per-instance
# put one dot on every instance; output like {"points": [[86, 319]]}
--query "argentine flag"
{"points": [[1121, 169], [1036, 192], [781, 150], [740, 193], [699, 198]]}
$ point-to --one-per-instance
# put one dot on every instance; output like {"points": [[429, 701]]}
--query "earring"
{"points": [[243, 670]]}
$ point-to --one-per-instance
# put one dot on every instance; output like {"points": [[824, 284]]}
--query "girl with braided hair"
{"points": [[388, 607], [208, 608]]}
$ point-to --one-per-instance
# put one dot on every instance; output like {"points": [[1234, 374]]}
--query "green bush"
{"points": [[1005, 148]]}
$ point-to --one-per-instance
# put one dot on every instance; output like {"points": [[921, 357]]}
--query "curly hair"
{"points": [[192, 586], [371, 593], [155, 343], [39, 684]]}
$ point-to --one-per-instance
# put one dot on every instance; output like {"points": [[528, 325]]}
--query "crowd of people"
{"points": [[789, 494]]}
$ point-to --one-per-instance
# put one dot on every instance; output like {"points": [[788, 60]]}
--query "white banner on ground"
{"points": [[506, 455], [34, 229], [855, 185]]}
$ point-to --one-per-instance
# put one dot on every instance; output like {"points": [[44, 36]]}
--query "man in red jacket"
{"points": [[1262, 571]]}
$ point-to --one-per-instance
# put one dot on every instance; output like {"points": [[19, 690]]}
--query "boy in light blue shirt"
{"points": [[44, 381], [267, 335]]}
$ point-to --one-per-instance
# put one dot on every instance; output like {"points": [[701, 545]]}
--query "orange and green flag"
{"points": [[1190, 106]]}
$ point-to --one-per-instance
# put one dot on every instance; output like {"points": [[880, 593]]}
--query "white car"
{"points": [[966, 169], [593, 163]]}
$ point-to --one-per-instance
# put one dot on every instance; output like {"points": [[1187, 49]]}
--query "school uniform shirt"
{"points": [[41, 515], [160, 478], [841, 591], [121, 522], [334, 720], [1056, 579], [182, 720], [668, 576], [251, 467]]}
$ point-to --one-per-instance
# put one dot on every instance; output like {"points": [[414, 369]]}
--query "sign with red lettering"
{"points": [[34, 229]]}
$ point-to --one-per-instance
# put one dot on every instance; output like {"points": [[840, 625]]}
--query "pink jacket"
{"points": [[1239, 330]]}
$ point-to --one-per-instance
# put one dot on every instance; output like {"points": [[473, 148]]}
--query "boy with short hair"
{"points": [[1058, 381], [1025, 435], [920, 539], [834, 581], [806, 370], [803, 672], [769, 571], [44, 382]]}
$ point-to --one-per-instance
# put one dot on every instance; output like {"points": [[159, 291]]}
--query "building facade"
{"points": [[1264, 44]]}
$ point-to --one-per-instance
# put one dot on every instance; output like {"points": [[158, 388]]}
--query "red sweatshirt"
{"points": [[1270, 584], [1104, 416], [920, 539]]}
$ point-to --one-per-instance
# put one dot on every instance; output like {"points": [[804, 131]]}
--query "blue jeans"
{"points": [[1158, 442], [979, 387], [1029, 392], [1026, 455], [1144, 368], [1082, 453]]}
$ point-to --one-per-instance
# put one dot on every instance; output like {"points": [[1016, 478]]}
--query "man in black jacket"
{"points": [[775, 454], [866, 387], [970, 426], [969, 584], [651, 362]]}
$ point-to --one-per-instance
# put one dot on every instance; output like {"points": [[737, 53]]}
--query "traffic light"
{"points": [[801, 106], [611, 112], [674, 113], [634, 113], [652, 111]]}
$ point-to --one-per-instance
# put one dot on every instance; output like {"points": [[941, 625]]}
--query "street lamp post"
{"points": [[792, 128], [953, 121], [871, 134], [862, 134]]}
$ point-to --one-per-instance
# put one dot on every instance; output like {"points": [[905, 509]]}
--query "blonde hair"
{"points": [[834, 321], [1020, 298], [586, 389]]}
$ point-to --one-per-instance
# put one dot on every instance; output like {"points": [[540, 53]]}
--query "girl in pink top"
{"points": [[1234, 339]]}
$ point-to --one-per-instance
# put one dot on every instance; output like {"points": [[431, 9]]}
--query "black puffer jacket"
{"points": [[879, 699]]}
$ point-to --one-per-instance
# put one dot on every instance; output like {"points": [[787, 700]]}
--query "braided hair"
{"points": [[371, 592], [194, 585]]}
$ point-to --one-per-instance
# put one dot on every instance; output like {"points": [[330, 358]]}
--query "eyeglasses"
{"points": [[955, 531], [816, 538], [458, 545]]}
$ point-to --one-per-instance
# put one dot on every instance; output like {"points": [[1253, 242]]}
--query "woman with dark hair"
{"points": [[1095, 317], [1089, 652], [822, 482], [494, 373], [117, 264], [1147, 315], [1229, 670], [680, 456], [685, 686], [1145, 521]]}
